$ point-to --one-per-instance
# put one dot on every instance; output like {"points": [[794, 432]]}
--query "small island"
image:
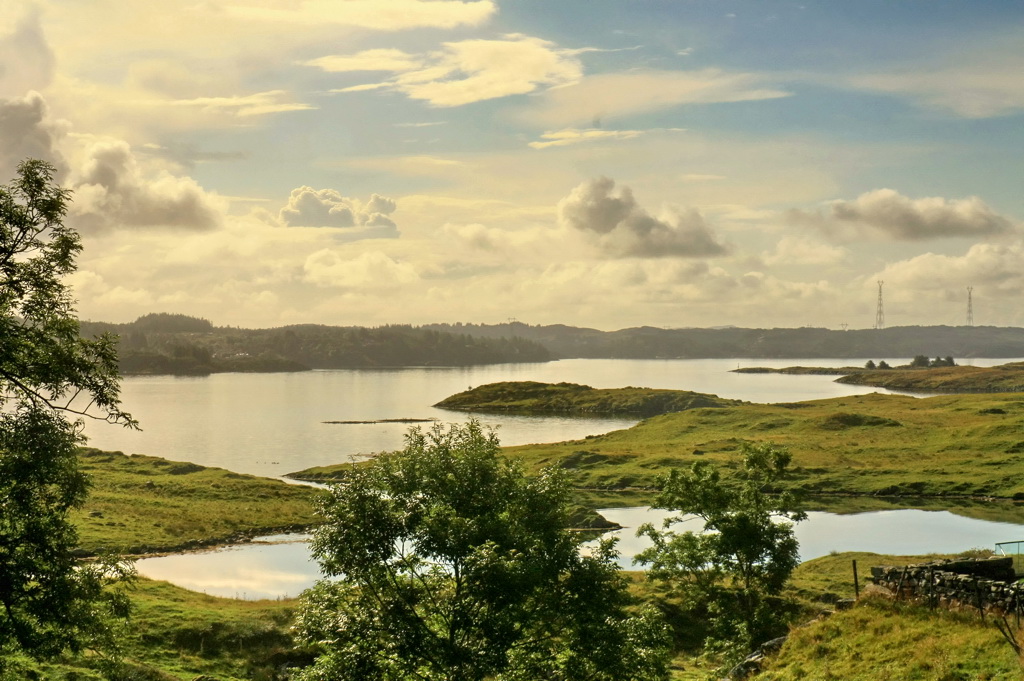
{"points": [[533, 397]]}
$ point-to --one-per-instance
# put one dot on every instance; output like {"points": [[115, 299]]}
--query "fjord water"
{"points": [[273, 424]]}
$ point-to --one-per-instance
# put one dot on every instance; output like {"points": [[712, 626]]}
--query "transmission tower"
{"points": [[970, 307], [879, 313]]}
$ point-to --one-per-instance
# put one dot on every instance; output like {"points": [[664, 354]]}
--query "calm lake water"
{"points": [[273, 424], [280, 566]]}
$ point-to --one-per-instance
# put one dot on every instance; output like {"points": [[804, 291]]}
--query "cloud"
{"points": [[700, 177], [567, 136], [622, 228], [367, 60], [978, 79], [308, 207], [888, 214], [799, 251], [466, 71], [257, 104], [967, 92], [994, 270], [393, 15], [27, 131], [111, 191], [26, 60], [611, 95], [369, 270]]}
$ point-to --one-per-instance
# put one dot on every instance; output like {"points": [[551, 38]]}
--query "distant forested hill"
{"points": [[178, 344], [650, 342]]}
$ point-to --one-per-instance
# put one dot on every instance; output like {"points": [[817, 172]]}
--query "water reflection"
{"points": [[908, 532], [280, 566], [277, 566]]}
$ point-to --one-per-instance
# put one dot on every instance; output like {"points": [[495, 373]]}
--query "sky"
{"points": [[600, 163]]}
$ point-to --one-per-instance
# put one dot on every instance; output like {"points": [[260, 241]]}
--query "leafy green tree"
{"points": [[734, 570], [920, 361], [454, 566], [50, 379], [870, 364]]}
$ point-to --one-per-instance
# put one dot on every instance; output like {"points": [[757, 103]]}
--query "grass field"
{"points": [[1003, 378], [143, 504], [180, 635], [887, 445]]}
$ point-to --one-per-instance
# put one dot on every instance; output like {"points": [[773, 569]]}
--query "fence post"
{"points": [[856, 582], [977, 595]]}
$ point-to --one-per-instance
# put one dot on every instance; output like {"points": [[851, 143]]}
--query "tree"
{"points": [[734, 570], [884, 365], [920, 361], [870, 364], [453, 565], [49, 375]]}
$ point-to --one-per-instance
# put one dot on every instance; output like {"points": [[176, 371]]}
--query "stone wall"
{"points": [[987, 584]]}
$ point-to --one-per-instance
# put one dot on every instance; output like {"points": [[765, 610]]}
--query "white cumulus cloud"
{"points": [[308, 207], [622, 228], [994, 269]]}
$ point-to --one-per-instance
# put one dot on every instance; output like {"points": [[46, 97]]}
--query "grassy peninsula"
{"points": [[959, 379], [532, 397], [888, 445], [144, 504]]}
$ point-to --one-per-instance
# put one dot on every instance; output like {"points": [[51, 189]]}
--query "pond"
{"points": [[280, 566]]}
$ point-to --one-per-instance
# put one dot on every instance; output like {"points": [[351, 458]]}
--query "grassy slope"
{"points": [[879, 639], [532, 397], [141, 504], [874, 642], [868, 444], [178, 635], [1004, 378]]}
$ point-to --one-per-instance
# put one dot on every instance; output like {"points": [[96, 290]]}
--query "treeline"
{"points": [[656, 343], [179, 344]]}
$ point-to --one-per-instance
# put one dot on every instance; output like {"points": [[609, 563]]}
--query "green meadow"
{"points": [[885, 445], [144, 504], [869, 452]]}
